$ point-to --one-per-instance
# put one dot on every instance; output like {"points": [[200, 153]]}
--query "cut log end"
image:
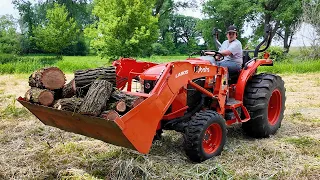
{"points": [[53, 78], [46, 98], [41, 96], [121, 106], [110, 115]]}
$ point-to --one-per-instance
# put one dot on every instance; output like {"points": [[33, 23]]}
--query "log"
{"points": [[133, 102], [130, 100], [41, 96], [119, 106], [110, 115], [84, 78], [68, 104], [69, 89], [47, 78], [96, 98]]}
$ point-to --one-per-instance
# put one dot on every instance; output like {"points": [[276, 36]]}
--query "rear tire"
{"points": [[205, 136], [264, 98]]}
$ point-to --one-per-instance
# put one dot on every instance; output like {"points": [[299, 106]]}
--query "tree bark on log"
{"points": [[69, 89], [47, 78], [84, 78], [41, 96], [68, 104], [96, 98], [110, 115]]}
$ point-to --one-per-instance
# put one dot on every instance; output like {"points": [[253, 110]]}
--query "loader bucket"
{"points": [[90, 126]]}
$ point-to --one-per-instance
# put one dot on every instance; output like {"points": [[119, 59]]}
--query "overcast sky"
{"points": [[301, 38]]}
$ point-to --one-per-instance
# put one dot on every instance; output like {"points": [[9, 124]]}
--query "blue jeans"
{"points": [[232, 66]]}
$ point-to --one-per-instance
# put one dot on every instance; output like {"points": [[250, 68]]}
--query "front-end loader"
{"points": [[192, 96]]}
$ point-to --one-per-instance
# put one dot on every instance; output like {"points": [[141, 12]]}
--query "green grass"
{"points": [[11, 64], [12, 111], [307, 145], [292, 67]]}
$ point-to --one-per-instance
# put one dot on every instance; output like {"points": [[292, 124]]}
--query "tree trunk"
{"points": [[69, 89], [68, 104], [96, 98], [47, 78], [110, 115], [84, 78], [41, 96]]}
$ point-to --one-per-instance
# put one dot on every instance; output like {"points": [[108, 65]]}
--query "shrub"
{"points": [[159, 49], [309, 53], [277, 53]]}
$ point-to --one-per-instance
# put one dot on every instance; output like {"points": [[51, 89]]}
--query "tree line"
{"points": [[113, 28]]}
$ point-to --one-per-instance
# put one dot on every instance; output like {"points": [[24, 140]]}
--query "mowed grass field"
{"points": [[31, 150]]}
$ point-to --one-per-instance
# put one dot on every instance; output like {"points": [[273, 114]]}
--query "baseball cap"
{"points": [[232, 28]]}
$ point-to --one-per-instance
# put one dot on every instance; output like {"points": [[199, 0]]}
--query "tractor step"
{"points": [[233, 102], [237, 109]]}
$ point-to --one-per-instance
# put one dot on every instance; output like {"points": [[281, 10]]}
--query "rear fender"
{"points": [[246, 74]]}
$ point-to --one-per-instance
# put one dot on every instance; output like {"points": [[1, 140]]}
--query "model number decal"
{"points": [[203, 70], [182, 73]]}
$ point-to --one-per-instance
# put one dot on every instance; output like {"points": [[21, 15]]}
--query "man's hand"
{"points": [[216, 56]]}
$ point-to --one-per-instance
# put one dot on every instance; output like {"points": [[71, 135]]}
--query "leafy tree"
{"points": [[185, 33], [27, 22], [311, 15], [125, 28], [290, 19], [222, 14], [282, 15], [8, 35], [58, 32], [167, 12], [33, 14]]}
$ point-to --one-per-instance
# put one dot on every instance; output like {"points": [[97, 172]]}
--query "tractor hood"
{"points": [[153, 73]]}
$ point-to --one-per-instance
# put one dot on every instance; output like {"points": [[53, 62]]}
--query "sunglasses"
{"points": [[231, 33]]}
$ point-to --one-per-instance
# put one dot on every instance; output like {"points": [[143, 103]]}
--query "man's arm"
{"points": [[226, 52]]}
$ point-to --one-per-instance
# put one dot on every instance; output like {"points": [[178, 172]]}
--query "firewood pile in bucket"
{"points": [[92, 92]]}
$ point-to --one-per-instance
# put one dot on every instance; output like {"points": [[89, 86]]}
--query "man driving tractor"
{"points": [[231, 49]]}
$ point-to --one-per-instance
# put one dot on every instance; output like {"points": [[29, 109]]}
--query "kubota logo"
{"points": [[203, 70], [182, 73]]}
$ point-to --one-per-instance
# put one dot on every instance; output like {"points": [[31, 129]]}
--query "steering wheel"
{"points": [[215, 54]]}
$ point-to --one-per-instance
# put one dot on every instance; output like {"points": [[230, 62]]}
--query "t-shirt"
{"points": [[235, 48]]}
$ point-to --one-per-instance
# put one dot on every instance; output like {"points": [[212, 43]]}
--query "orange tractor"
{"points": [[193, 96]]}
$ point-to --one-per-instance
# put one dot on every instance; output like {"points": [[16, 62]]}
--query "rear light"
{"points": [[266, 55]]}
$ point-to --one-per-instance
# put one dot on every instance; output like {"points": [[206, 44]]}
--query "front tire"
{"points": [[264, 98], [205, 136]]}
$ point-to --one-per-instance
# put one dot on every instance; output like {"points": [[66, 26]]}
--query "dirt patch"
{"points": [[31, 150]]}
